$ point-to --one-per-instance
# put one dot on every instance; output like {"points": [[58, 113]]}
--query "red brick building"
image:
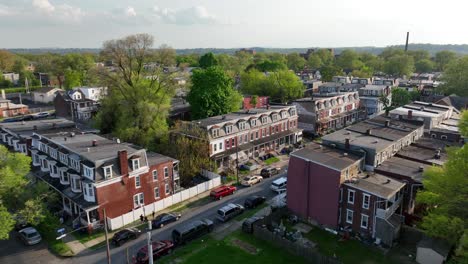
{"points": [[262, 102]]}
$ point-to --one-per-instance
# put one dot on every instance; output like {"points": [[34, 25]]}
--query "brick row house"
{"points": [[248, 134], [74, 105], [92, 173]]}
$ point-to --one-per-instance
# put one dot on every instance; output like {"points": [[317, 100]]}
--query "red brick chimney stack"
{"points": [[123, 162]]}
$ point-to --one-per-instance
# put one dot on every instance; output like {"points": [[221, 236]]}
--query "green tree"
{"points": [[7, 60], [166, 55], [399, 65], [400, 97], [6, 222], [419, 55], [424, 65], [456, 77], [208, 60], [386, 104], [326, 56], [463, 124], [254, 82], [328, 71], [137, 106], [349, 59], [295, 62], [212, 93], [285, 86], [254, 100], [444, 58], [190, 59], [72, 79], [372, 61], [390, 52], [314, 61], [19, 65], [364, 72], [270, 66], [444, 195]]}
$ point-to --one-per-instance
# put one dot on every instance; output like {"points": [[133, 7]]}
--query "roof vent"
{"points": [[94, 143], [88, 149], [72, 134], [387, 182], [118, 141], [223, 117], [421, 169], [345, 154]]}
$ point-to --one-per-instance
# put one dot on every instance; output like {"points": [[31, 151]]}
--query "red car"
{"points": [[222, 191], [160, 248]]}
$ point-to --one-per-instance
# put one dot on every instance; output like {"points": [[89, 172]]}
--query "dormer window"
{"points": [[264, 120], [253, 122], [88, 172], [293, 112], [274, 117], [135, 164], [77, 96], [242, 125], [107, 172], [215, 132], [283, 114], [228, 129]]}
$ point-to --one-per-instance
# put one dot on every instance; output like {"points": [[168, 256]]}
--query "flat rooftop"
{"points": [[423, 154], [37, 125], [156, 158], [326, 156], [376, 184], [403, 167]]}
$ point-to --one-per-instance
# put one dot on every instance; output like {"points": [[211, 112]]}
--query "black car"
{"points": [[124, 235], [268, 172], [164, 219], [266, 156], [254, 201], [248, 224]]}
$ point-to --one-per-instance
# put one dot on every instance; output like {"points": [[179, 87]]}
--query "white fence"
{"points": [[125, 219]]}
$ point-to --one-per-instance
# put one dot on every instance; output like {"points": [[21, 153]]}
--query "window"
{"points": [[64, 177], [251, 136], [293, 112], [155, 175], [88, 172], [241, 125], [228, 129], [256, 134], [240, 138], [349, 216], [156, 193], [221, 146], [166, 172], [138, 200], [215, 132], [365, 201], [76, 184], [63, 158], [137, 181], [264, 120], [283, 114], [166, 188], [215, 147], [253, 122], [275, 117], [107, 172], [364, 221], [136, 164], [351, 196]]}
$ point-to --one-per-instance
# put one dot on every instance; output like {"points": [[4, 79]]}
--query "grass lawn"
{"points": [[350, 251], [271, 160], [228, 250], [84, 237]]}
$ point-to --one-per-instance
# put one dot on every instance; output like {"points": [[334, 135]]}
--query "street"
{"points": [[39, 254]]}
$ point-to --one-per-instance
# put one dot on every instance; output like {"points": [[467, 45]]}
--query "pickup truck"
{"points": [[222, 191]]}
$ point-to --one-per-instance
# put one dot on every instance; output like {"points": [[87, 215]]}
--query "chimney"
{"points": [[65, 139], [268, 106], [123, 162], [421, 169], [94, 143], [347, 143], [369, 131], [34, 127], [387, 123], [410, 114]]}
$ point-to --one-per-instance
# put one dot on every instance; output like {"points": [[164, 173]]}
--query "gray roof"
{"points": [[403, 167], [458, 102], [46, 89], [329, 157], [156, 158], [376, 184], [37, 125], [440, 246], [422, 154]]}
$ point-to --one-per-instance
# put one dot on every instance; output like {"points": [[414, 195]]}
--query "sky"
{"points": [[232, 23]]}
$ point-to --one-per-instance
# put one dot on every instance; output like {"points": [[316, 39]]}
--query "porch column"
{"points": [[87, 217]]}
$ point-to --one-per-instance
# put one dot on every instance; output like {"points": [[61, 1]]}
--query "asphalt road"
{"points": [[118, 254], [12, 251]]}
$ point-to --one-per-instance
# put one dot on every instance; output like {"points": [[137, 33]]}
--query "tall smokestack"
{"points": [[407, 39]]}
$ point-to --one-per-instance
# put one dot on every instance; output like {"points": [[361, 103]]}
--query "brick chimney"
{"points": [[123, 162], [387, 123], [369, 132], [410, 114], [347, 143]]}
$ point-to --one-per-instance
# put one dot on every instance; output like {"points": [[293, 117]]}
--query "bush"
{"points": [[48, 230], [271, 160]]}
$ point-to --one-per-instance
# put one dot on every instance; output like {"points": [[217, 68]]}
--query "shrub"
{"points": [[48, 230]]}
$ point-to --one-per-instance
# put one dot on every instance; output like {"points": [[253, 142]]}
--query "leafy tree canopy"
{"points": [[456, 77], [208, 60]]}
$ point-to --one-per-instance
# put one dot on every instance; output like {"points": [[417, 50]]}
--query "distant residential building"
{"points": [[386, 82], [12, 77], [311, 51], [371, 98], [9, 109], [45, 94], [262, 102], [433, 115], [43, 78], [93, 93], [74, 104], [364, 81], [248, 51], [246, 134], [180, 109], [341, 79]]}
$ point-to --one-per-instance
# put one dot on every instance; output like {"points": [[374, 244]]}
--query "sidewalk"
{"points": [[77, 247]]}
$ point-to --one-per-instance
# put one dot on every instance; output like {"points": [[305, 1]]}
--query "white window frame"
{"points": [[88, 172], [215, 147], [367, 221], [274, 117], [156, 191], [137, 181], [136, 164], [155, 173], [167, 188], [107, 175], [63, 158], [253, 122], [228, 129], [264, 120], [349, 196], [364, 196], [64, 175], [166, 172], [348, 213], [74, 185], [215, 132], [139, 201], [242, 125]]}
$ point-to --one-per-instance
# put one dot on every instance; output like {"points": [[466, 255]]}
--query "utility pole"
{"points": [[107, 240], [237, 158], [150, 245]]}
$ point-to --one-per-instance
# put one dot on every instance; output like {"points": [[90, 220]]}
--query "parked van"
{"points": [[279, 185], [191, 231], [229, 211]]}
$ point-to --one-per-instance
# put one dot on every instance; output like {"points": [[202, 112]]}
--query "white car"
{"points": [[251, 180], [30, 236]]}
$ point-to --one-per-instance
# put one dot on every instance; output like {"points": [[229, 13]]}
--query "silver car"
{"points": [[30, 236]]}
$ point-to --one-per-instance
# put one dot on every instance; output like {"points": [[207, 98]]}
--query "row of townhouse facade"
{"points": [[92, 173], [248, 134]]}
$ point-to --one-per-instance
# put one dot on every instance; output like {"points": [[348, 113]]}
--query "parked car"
{"points": [[41, 115], [229, 211], [125, 235], [191, 231], [254, 201], [164, 219], [278, 201], [160, 248], [251, 180], [279, 185], [30, 236], [269, 171], [248, 224], [267, 156], [222, 191]]}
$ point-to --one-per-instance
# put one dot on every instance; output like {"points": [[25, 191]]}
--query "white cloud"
{"points": [[186, 16], [7, 11], [43, 6], [130, 12]]}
